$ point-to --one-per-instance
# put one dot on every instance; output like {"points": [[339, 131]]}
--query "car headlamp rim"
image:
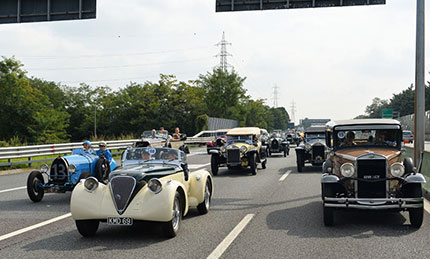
{"points": [[308, 146], [347, 170], [91, 184], [44, 168], [243, 149], [72, 168], [397, 169], [155, 185]]}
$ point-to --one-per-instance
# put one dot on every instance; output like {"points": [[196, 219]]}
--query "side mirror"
{"points": [[186, 171]]}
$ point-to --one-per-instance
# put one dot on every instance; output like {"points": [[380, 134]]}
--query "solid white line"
{"points": [[427, 205], [220, 249], [13, 189], [284, 176], [41, 224]]}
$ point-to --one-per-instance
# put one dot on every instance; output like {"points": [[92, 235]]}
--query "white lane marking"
{"points": [[427, 205], [41, 224], [284, 176], [13, 189], [197, 166], [220, 249]]}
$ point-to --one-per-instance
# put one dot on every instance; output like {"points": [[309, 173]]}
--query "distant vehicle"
{"points": [[219, 140], [66, 171], [153, 184], [408, 136], [278, 144], [364, 170], [313, 148], [162, 138]]}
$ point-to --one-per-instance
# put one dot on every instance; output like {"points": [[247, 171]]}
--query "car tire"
{"points": [[416, 215], [328, 213], [203, 207], [408, 163], [214, 165], [171, 228], [300, 165], [87, 228], [102, 170], [285, 153], [34, 180], [263, 165], [253, 164]]}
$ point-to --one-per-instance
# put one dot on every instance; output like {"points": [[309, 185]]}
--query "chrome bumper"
{"points": [[374, 204]]}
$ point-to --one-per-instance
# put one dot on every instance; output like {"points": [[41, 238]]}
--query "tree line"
{"points": [[36, 111]]}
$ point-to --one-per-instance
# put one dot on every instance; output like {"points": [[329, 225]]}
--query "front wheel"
{"points": [[214, 165], [171, 227], [253, 164], [300, 165], [203, 207], [328, 213], [34, 186], [263, 165], [416, 215], [285, 153], [87, 228]]}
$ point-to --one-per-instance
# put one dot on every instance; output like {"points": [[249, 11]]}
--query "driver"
{"points": [[172, 155], [349, 140], [103, 151], [146, 155]]}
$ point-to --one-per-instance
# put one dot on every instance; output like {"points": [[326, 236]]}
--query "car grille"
{"points": [[58, 173], [233, 155], [122, 188], [275, 144], [371, 171], [318, 151]]}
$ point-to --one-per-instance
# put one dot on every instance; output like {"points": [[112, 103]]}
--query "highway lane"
{"points": [[287, 224]]}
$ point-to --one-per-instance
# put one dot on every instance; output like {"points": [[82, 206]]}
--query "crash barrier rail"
{"points": [[31, 152], [425, 170]]}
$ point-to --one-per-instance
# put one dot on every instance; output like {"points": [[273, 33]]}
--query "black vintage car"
{"points": [[312, 149], [277, 144]]}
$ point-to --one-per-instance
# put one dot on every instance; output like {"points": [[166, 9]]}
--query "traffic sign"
{"points": [[248, 5], [18, 11], [387, 113]]}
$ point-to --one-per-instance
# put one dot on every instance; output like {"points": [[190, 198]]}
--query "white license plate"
{"points": [[120, 221]]}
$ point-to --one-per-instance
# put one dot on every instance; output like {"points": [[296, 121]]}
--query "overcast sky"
{"points": [[331, 61]]}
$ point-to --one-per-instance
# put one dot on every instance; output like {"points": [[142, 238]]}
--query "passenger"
{"points": [[103, 151], [87, 147], [349, 140], [146, 155], [154, 133], [177, 135], [172, 155]]}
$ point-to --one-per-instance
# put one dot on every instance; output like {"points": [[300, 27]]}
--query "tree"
{"points": [[374, 110]]}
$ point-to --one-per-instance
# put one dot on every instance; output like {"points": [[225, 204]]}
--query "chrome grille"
{"points": [[371, 174], [318, 151], [233, 155], [122, 188], [275, 144]]}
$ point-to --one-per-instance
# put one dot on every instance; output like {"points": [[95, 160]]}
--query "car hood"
{"points": [[351, 154], [146, 171]]}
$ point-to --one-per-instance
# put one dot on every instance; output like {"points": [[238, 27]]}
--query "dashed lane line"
{"points": [[41, 224], [284, 176], [13, 189], [222, 247]]}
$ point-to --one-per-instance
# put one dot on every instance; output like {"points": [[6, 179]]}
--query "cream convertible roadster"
{"points": [[153, 184]]}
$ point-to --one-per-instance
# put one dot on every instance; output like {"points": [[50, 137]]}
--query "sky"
{"points": [[331, 62]]}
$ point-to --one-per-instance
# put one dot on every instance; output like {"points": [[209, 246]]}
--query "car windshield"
{"points": [[407, 133], [368, 137], [221, 134], [154, 154], [310, 136], [239, 138], [154, 134]]}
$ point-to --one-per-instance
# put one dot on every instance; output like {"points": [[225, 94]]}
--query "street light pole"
{"points": [[419, 84], [95, 122]]}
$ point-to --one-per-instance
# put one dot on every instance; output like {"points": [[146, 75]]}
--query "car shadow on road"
{"points": [[307, 222], [224, 172], [49, 202]]}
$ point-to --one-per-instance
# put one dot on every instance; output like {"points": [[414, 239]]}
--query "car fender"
{"points": [[196, 194], [415, 178], [214, 152], [329, 178]]}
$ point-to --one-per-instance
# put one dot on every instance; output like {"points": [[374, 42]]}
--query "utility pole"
{"points": [[419, 85], [223, 54], [275, 96], [293, 111], [95, 122]]}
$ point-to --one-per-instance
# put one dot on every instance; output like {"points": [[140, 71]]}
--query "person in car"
{"points": [[349, 140], [146, 155], [103, 151], [177, 135], [87, 147]]}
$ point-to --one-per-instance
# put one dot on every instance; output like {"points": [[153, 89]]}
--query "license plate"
{"points": [[120, 221]]}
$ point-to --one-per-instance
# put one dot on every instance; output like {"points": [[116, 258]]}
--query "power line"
{"points": [[223, 64]]}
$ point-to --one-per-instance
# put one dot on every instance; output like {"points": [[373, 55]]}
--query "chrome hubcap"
{"points": [[176, 215], [207, 196]]}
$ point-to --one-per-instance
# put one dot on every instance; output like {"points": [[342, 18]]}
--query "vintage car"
{"points": [[162, 138], [289, 138], [66, 171], [152, 184], [408, 136], [277, 144], [364, 170], [219, 140], [242, 149], [313, 148]]}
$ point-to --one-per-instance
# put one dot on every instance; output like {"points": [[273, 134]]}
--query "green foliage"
{"points": [[202, 122]]}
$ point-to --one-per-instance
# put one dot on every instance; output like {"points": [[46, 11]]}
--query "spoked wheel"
{"points": [[87, 228], [171, 227], [203, 207], [102, 170], [34, 186]]}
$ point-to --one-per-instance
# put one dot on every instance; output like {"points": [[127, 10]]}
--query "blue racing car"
{"points": [[66, 171]]}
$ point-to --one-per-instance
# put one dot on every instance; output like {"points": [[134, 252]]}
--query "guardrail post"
{"points": [[29, 159], [10, 163]]}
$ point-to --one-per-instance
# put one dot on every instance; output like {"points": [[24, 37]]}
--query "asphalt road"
{"points": [[283, 209]]}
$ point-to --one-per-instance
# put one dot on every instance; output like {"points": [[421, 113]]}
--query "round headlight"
{"points": [[243, 149], [154, 185], [72, 169], [308, 146], [44, 168], [347, 170], [397, 169], [91, 184]]}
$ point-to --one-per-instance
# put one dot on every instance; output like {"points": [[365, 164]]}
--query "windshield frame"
{"points": [[397, 138]]}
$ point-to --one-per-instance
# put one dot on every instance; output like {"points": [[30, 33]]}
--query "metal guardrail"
{"points": [[31, 152]]}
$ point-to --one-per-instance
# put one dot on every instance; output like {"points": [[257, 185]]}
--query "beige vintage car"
{"points": [[365, 170]]}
